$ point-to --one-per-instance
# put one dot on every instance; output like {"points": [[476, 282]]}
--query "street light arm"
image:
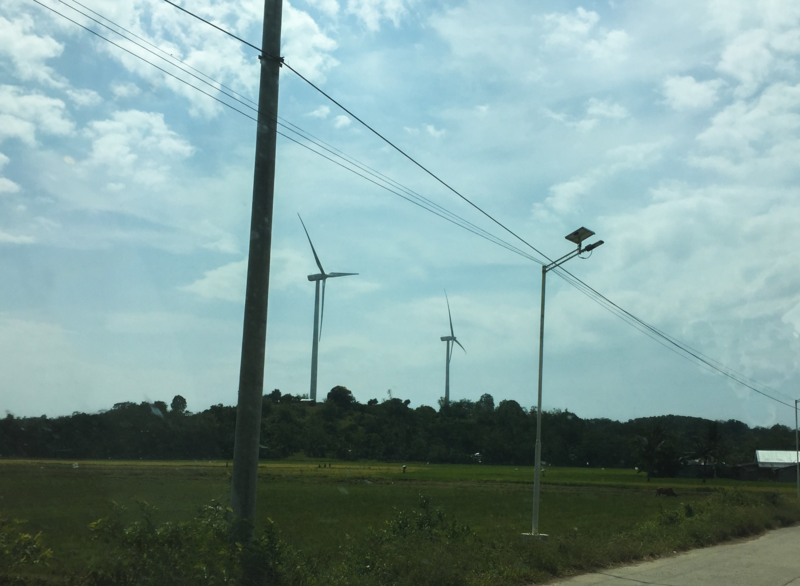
{"points": [[558, 262]]}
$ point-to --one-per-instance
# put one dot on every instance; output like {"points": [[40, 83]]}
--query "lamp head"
{"points": [[593, 245]]}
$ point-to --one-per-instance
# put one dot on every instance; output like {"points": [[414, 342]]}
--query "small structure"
{"points": [[775, 465], [781, 463]]}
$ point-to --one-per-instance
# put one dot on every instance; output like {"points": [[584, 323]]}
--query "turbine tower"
{"points": [[318, 313], [451, 339]]}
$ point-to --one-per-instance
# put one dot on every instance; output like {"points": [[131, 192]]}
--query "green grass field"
{"points": [[315, 509]]}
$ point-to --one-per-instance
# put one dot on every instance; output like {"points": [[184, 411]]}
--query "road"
{"points": [[770, 560]]}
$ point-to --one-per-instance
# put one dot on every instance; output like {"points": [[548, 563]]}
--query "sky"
{"points": [[671, 129]]}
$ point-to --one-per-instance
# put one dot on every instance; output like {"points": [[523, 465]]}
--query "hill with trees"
{"points": [[462, 432]]}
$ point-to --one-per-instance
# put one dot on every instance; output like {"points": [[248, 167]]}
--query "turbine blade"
{"points": [[462, 347], [340, 274], [448, 314], [322, 310], [316, 258]]}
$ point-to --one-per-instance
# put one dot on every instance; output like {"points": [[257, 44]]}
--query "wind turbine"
{"points": [[451, 339], [318, 314]]}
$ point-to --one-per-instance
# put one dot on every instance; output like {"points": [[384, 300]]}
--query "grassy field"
{"points": [[316, 508]]}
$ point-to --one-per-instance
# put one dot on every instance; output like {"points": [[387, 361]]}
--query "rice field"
{"points": [[315, 504]]}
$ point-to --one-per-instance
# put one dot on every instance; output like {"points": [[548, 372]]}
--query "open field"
{"points": [[316, 509]]}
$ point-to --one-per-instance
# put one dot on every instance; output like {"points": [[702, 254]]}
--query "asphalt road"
{"points": [[770, 560]]}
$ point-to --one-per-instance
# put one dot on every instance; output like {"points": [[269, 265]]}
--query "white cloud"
{"points": [[328, 7], [227, 282], [578, 31], [761, 132], [749, 60], [23, 114], [124, 91], [341, 121], [566, 197], [305, 46], [431, 129], [321, 112], [136, 144], [8, 186], [372, 12], [595, 110], [612, 45], [84, 98], [411, 131], [28, 52], [568, 29], [6, 238], [605, 109], [685, 93]]}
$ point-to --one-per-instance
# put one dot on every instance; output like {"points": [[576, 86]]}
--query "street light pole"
{"points": [[577, 237]]}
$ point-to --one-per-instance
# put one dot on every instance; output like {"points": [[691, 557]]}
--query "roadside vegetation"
{"points": [[333, 522]]}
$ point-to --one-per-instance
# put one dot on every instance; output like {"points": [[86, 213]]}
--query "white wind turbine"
{"points": [[318, 314], [451, 339]]}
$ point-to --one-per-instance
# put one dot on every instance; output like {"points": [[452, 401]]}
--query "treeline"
{"points": [[340, 427]]}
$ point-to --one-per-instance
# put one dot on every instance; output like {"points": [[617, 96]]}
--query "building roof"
{"points": [[775, 458]]}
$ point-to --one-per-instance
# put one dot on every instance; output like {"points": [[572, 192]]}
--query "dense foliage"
{"points": [[420, 547], [340, 427]]}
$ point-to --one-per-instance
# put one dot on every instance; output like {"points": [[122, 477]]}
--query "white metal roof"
{"points": [[775, 458]]}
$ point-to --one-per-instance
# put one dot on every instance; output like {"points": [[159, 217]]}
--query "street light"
{"points": [[796, 448], [578, 236]]}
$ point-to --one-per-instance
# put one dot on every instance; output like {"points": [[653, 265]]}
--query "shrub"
{"points": [[18, 549], [206, 550]]}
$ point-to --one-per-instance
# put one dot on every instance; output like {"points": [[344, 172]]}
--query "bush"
{"points": [[18, 549], [206, 550]]}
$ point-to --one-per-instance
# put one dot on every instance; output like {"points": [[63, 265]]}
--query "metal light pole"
{"points": [[578, 236]]}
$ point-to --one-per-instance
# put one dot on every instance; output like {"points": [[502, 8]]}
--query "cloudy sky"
{"points": [[670, 129]]}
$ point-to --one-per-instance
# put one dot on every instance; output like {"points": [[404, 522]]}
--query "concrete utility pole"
{"points": [[796, 449], [251, 374]]}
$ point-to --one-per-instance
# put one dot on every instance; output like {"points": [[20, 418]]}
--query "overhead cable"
{"points": [[375, 132], [654, 333], [409, 195]]}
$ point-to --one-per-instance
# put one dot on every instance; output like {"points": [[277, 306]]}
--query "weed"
{"points": [[19, 550], [203, 550]]}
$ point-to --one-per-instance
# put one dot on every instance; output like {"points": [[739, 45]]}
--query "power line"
{"points": [[410, 196], [670, 343], [654, 333], [371, 129]]}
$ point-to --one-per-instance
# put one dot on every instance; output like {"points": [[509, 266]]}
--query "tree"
{"points": [[656, 453], [707, 446], [178, 404], [341, 397], [486, 402]]}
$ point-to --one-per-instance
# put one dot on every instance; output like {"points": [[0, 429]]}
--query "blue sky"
{"points": [[670, 129]]}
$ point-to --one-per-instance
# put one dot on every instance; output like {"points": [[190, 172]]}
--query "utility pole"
{"points": [[796, 448], [251, 374]]}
